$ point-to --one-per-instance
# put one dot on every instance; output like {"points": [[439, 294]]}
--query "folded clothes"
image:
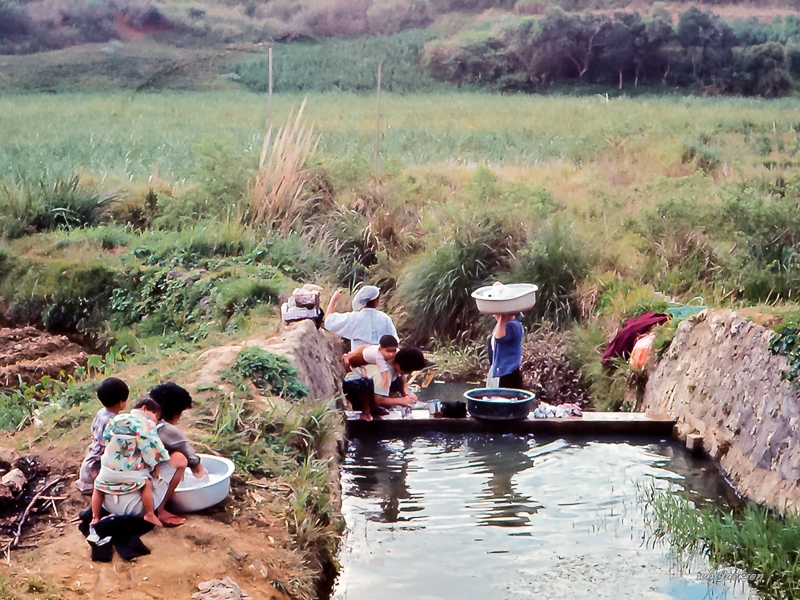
{"points": [[548, 411]]}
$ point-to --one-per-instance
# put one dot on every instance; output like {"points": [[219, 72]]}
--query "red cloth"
{"points": [[623, 342]]}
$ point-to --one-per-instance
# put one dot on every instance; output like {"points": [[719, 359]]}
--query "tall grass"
{"points": [[137, 138], [755, 539], [276, 195]]}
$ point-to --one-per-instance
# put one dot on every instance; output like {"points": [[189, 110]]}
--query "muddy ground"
{"points": [[29, 354], [245, 538]]}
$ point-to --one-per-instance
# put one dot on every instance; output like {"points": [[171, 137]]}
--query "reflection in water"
{"points": [[452, 516], [500, 504]]}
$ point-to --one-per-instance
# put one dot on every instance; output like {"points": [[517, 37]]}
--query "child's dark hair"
{"points": [[410, 359], [388, 341], [148, 404], [172, 398], [112, 391]]}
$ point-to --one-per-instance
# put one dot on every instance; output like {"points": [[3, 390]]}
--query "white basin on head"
{"points": [[197, 494], [505, 299]]}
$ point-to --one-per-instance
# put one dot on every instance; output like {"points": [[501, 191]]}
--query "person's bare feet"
{"points": [[170, 520], [366, 417], [152, 518]]}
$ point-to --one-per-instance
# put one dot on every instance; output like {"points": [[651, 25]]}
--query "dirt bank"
{"points": [[29, 354], [247, 538], [720, 381]]}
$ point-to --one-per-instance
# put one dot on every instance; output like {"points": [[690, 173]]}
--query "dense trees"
{"points": [[699, 51]]}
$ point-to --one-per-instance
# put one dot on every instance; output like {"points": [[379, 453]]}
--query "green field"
{"points": [[136, 136]]}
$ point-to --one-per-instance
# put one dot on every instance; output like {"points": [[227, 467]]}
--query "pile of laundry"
{"points": [[548, 411]]}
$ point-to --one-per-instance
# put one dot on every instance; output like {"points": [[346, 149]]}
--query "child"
{"points": [[113, 395], [381, 355], [131, 458]]}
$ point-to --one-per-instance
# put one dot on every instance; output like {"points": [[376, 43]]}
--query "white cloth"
{"points": [[131, 504], [363, 328], [364, 295], [374, 373]]}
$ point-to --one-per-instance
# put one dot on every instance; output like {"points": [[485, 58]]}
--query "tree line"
{"points": [[700, 51]]}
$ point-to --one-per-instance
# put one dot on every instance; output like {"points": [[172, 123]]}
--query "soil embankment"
{"points": [[28, 354], [720, 380], [247, 538]]}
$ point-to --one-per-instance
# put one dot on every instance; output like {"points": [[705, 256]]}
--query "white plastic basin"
{"points": [[505, 299], [196, 494]]}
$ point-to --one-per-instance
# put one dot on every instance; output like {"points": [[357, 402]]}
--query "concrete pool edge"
{"points": [[591, 424]]}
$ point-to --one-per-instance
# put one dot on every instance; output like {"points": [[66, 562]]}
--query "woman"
{"points": [[505, 353], [366, 324]]}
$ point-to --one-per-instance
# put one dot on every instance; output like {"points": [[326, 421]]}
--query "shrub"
{"points": [[61, 295], [271, 373], [557, 262], [50, 203], [435, 291]]}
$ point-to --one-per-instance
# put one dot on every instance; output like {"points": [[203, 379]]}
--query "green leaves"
{"points": [[271, 373]]}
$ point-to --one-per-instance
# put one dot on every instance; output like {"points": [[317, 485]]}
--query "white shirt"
{"points": [[362, 328]]}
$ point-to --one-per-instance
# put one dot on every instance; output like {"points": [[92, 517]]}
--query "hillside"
{"points": [[528, 46]]}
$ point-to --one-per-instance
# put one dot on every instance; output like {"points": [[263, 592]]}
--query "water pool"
{"points": [[503, 516]]}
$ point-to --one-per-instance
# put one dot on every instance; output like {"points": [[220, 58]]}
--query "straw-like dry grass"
{"points": [[276, 196]]}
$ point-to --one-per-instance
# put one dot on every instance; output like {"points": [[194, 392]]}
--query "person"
{"points": [[505, 353], [173, 400], [131, 459], [380, 355], [406, 361], [113, 395], [366, 324]]}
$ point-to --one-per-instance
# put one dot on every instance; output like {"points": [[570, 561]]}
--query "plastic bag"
{"points": [[642, 352]]}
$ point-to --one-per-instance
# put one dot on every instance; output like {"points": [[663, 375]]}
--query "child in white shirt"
{"points": [[380, 355]]}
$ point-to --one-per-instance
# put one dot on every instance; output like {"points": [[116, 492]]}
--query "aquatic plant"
{"points": [[754, 538]]}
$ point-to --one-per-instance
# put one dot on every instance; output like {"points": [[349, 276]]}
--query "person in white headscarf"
{"points": [[366, 324]]}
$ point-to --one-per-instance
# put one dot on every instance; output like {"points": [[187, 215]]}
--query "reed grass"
{"points": [[276, 196], [755, 539]]}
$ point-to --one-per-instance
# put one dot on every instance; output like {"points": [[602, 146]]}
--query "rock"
{"points": [[15, 480], [220, 589], [724, 387]]}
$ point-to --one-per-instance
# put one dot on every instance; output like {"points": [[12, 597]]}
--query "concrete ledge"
{"points": [[590, 425]]}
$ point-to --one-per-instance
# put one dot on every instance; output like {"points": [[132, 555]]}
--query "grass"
{"points": [[138, 137], [757, 540]]}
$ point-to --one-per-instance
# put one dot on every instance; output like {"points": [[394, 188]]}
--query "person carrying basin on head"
{"points": [[505, 352]]}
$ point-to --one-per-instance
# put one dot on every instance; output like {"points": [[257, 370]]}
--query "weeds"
{"points": [[276, 196], [755, 539], [270, 373]]}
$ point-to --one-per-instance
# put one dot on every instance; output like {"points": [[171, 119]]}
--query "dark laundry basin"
{"points": [[513, 404]]}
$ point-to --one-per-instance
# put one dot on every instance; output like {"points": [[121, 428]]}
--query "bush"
{"points": [[271, 373], [435, 291], [49, 203], [557, 262], [61, 295]]}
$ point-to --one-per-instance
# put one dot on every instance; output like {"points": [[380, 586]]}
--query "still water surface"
{"points": [[503, 516]]}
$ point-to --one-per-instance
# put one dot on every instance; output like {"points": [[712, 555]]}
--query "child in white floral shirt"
{"points": [[113, 395], [131, 458]]}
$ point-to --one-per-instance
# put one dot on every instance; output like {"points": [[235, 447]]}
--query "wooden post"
{"points": [[270, 87], [378, 124]]}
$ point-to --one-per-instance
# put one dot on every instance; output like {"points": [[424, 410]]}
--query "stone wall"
{"points": [[718, 379]]}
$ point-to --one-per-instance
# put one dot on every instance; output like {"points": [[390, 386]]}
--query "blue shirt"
{"points": [[509, 350]]}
